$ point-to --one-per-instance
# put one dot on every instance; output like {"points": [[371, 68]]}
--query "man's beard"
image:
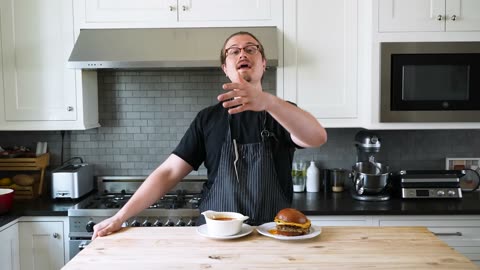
{"points": [[247, 77]]}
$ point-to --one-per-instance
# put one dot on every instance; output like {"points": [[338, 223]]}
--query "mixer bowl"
{"points": [[370, 178]]}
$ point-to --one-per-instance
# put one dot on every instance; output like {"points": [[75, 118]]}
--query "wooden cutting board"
{"points": [[334, 248]]}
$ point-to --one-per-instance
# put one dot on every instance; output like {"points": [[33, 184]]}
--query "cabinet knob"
{"points": [[439, 17], [184, 8], [172, 8], [56, 235], [454, 17], [70, 108]]}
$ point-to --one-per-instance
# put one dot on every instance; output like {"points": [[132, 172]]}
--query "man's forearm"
{"points": [[305, 129]]}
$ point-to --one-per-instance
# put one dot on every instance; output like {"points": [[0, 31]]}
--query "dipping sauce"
{"points": [[223, 218], [273, 231]]}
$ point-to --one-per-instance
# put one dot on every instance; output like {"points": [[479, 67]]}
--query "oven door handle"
{"points": [[82, 245]]}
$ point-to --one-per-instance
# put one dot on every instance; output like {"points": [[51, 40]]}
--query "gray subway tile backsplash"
{"points": [[144, 114]]}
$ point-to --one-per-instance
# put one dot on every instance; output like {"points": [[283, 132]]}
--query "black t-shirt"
{"points": [[203, 141]]}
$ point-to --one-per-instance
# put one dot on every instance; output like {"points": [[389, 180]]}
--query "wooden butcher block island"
{"points": [[334, 248]]}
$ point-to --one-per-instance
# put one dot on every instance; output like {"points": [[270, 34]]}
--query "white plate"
{"points": [[265, 228], [246, 230]]}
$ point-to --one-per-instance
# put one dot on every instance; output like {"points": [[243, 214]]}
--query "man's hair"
{"points": [[223, 55]]}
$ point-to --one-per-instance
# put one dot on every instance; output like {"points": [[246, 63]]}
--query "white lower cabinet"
{"points": [[341, 220], [43, 242], [9, 251]]}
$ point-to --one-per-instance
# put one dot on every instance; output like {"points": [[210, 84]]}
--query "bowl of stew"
{"points": [[223, 223]]}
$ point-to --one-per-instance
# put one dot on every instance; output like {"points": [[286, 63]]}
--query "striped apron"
{"points": [[252, 188]]}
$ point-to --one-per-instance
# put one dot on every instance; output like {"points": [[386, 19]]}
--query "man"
{"points": [[246, 142]]}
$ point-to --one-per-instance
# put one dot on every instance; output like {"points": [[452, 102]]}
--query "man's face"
{"points": [[244, 57]]}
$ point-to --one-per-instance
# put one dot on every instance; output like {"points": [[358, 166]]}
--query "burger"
{"points": [[291, 222]]}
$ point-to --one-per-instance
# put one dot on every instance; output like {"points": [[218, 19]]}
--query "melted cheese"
{"points": [[305, 225]]}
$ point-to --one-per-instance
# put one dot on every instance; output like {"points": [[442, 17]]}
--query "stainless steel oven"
{"points": [[430, 82], [179, 207]]}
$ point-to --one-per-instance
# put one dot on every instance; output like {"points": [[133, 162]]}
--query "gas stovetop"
{"points": [[179, 207], [114, 192], [179, 200]]}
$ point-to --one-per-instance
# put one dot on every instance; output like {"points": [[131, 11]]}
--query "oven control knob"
{"points": [[158, 223], [135, 223], [146, 223], [451, 193], [169, 223], [180, 223], [89, 226], [191, 223], [440, 193]]}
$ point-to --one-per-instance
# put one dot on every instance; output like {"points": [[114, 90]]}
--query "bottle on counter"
{"points": [[299, 175], [313, 184]]}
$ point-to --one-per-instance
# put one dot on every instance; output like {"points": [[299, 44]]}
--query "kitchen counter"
{"points": [[343, 204], [309, 203], [335, 248], [42, 206]]}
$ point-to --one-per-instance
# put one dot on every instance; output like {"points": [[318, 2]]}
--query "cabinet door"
{"points": [[341, 220], [41, 245], [320, 64], [128, 11], [467, 15], [9, 258], [224, 10], [411, 15], [36, 38]]}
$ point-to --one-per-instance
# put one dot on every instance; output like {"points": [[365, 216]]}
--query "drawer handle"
{"points": [[449, 234]]}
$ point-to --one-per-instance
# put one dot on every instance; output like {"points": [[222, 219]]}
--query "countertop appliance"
{"points": [[429, 184], [370, 179], [179, 207], [72, 181], [429, 82]]}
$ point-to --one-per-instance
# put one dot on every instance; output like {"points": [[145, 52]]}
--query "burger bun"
{"points": [[291, 222]]}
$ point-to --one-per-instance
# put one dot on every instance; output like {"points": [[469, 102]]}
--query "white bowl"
{"points": [[223, 223]]}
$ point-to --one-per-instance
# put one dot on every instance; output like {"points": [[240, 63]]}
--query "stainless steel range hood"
{"points": [[161, 48]]}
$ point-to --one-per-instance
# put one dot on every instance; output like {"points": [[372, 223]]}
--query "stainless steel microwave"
{"points": [[430, 82]]}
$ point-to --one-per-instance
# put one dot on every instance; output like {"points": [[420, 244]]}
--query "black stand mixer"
{"points": [[370, 178]]}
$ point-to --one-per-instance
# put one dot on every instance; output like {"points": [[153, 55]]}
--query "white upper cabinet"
{"points": [[320, 59], [39, 92], [462, 15], [428, 15], [176, 13]]}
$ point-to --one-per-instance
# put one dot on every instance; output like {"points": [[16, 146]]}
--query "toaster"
{"points": [[72, 181]]}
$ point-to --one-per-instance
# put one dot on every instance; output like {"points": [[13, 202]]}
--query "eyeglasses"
{"points": [[249, 49]]}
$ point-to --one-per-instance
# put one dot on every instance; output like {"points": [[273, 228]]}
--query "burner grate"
{"points": [[180, 200]]}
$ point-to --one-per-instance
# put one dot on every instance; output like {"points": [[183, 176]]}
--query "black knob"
{"points": [[180, 223], [169, 223], [146, 223], [191, 223], [89, 226], [158, 223], [135, 224]]}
